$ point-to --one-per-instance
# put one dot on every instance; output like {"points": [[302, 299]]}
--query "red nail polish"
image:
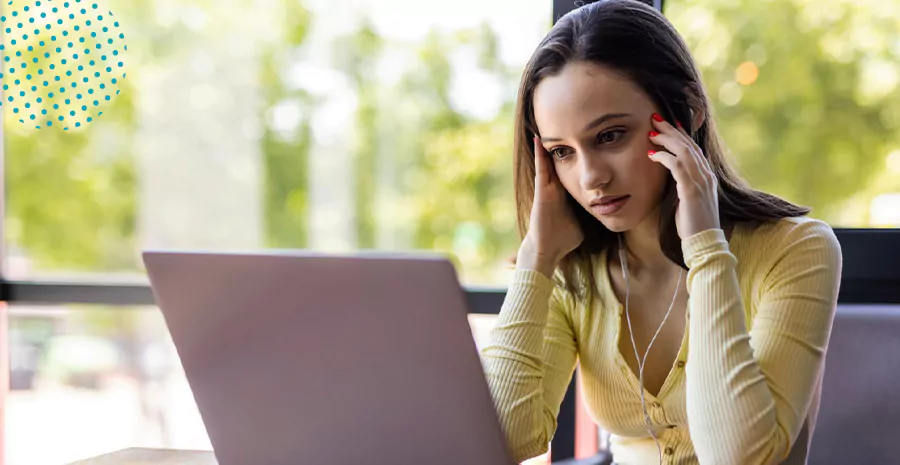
{"points": [[657, 118], [653, 133], [679, 124], [650, 153]]}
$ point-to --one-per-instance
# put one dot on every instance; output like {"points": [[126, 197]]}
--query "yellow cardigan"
{"points": [[759, 319]]}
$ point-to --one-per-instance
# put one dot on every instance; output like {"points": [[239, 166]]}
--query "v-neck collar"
{"points": [[608, 297]]}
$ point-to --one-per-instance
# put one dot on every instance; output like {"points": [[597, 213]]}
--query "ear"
{"points": [[698, 116]]}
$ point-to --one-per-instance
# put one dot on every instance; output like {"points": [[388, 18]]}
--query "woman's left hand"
{"points": [[697, 186]]}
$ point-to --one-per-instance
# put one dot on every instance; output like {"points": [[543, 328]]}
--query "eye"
{"points": [[559, 153], [610, 136]]}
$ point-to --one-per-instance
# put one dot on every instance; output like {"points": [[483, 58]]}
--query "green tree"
{"points": [[286, 173], [357, 56], [813, 123], [71, 194], [460, 174], [816, 124]]}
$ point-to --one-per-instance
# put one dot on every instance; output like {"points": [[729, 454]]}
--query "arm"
{"points": [[748, 393], [529, 362]]}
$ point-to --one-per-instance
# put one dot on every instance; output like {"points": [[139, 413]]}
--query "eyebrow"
{"points": [[591, 125]]}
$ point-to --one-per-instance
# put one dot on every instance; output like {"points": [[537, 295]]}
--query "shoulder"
{"points": [[582, 287], [794, 245], [788, 235]]}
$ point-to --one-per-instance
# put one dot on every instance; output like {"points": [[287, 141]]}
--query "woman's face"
{"points": [[595, 125]]}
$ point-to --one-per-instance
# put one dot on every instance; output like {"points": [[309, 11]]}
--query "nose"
{"points": [[595, 172]]}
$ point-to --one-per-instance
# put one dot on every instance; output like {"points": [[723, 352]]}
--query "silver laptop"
{"points": [[310, 359]]}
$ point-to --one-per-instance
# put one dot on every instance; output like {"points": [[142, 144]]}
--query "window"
{"points": [[94, 380], [245, 125], [807, 95], [326, 125]]}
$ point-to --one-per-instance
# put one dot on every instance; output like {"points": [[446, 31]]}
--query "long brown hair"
{"points": [[639, 42]]}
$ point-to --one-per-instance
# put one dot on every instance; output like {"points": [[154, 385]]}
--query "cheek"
{"points": [[656, 176], [637, 159], [644, 174], [569, 177]]}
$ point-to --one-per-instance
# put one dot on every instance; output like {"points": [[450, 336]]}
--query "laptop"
{"points": [[315, 359]]}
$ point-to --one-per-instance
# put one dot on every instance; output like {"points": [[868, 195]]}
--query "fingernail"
{"points": [[657, 118], [679, 124], [653, 133], [650, 153]]}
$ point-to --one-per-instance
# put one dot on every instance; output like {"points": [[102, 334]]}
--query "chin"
{"points": [[615, 224]]}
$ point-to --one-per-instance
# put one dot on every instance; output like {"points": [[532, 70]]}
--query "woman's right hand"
{"points": [[553, 231]]}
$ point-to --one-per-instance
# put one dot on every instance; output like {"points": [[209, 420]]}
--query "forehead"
{"points": [[582, 92]]}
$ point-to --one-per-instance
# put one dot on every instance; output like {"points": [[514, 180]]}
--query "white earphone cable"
{"points": [[623, 258]]}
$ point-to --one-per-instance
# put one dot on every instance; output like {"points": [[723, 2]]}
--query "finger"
{"points": [[704, 162], [681, 129], [674, 164], [677, 146], [677, 141], [663, 126], [547, 166], [685, 146], [671, 142], [687, 181], [541, 170], [551, 168]]}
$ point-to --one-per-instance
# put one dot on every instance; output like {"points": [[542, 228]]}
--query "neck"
{"points": [[645, 256]]}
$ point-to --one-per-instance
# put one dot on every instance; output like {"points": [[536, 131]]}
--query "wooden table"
{"points": [[138, 456]]}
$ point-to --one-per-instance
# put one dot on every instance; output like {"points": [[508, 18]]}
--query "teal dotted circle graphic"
{"points": [[63, 62]]}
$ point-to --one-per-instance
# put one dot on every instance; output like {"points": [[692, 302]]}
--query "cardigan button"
{"points": [[680, 364], [670, 451]]}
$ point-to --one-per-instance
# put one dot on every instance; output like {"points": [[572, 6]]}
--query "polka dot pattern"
{"points": [[57, 53]]}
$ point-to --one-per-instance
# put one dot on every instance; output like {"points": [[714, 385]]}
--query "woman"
{"points": [[638, 235]]}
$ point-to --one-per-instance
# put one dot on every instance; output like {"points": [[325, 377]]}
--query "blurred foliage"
{"points": [[357, 57], [71, 197], [806, 93], [285, 171], [459, 180], [817, 122]]}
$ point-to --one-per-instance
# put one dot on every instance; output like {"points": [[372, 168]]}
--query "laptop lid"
{"points": [[306, 358]]}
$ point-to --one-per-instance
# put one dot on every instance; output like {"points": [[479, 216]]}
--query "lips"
{"points": [[611, 205], [610, 200]]}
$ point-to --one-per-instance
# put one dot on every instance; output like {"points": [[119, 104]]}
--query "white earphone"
{"points": [[623, 258]]}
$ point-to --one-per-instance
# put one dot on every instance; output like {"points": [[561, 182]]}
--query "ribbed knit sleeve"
{"points": [[529, 362], [748, 391]]}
